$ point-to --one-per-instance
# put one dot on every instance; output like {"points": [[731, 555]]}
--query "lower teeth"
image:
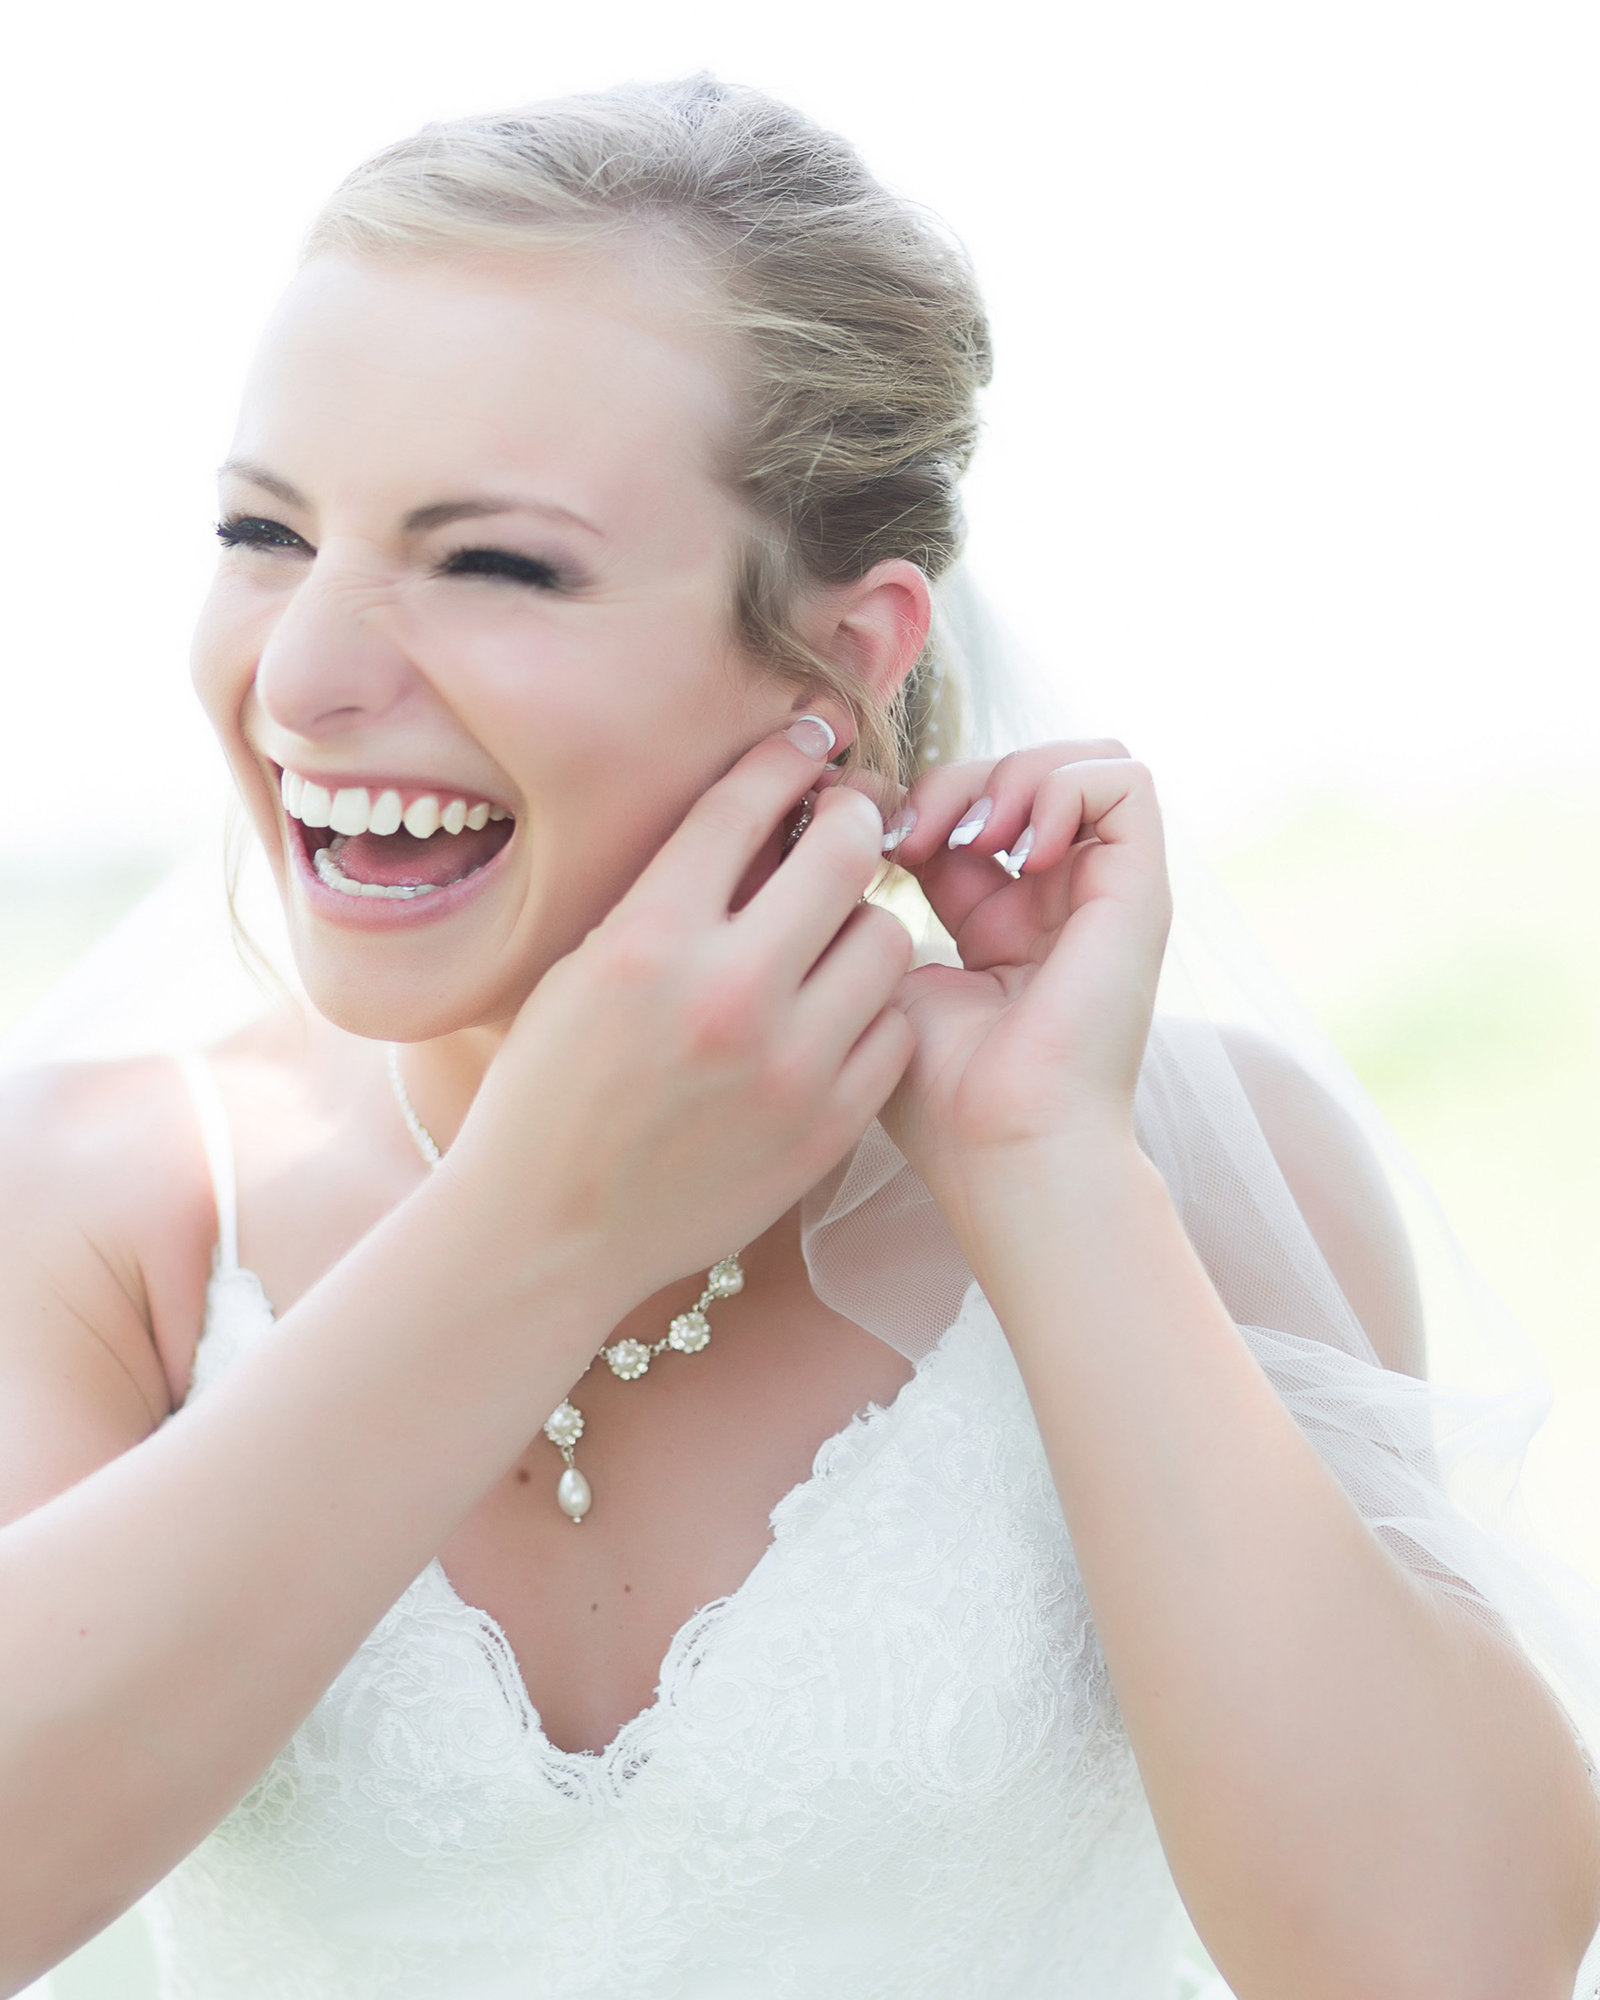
{"points": [[326, 863]]}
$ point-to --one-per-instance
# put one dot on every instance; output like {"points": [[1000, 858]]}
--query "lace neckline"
{"points": [[585, 1770]]}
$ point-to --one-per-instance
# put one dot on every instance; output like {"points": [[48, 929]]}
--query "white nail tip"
{"points": [[811, 736], [903, 823], [967, 830]]}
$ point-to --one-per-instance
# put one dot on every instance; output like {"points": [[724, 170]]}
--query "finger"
{"points": [[796, 914], [871, 1070], [852, 983], [704, 860], [1110, 800], [1069, 806], [1103, 823], [982, 806]]}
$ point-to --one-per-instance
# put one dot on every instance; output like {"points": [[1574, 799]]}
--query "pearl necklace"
{"points": [[628, 1359]]}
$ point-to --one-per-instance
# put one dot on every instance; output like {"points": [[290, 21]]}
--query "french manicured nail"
{"points": [[967, 830], [811, 736], [902, 823], [1021, 848]]}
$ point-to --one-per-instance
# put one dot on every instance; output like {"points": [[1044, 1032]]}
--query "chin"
{"points": [[404, 1004], [404, 931], [414, 984], [414, 962]]}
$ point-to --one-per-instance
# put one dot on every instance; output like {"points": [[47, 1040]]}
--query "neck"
{"points": [[442, 1076]]}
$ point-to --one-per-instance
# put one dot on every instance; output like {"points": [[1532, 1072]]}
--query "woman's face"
{"points": [[476, 550]]}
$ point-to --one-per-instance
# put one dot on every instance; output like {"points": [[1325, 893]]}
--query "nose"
{"points": [[332, 661]]}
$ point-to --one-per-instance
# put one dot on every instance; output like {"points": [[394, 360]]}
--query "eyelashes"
{"points": [[502, 562], [248, 531], [253, 531]]}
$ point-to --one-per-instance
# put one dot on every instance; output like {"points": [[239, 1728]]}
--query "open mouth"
{"points": [[396, 844]]}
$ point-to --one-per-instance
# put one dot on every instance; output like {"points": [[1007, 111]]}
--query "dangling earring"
{"points": [[801, 823]]}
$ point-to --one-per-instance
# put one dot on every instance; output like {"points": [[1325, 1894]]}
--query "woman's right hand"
{"points": [[675, 1084], [666, 1093]]}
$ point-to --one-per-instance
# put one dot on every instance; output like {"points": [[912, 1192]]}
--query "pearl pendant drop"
{"points": [[689, 1333], [573, 1496], [628, 1359]]}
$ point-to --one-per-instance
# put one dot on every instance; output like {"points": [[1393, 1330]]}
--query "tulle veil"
{"points": [[1430, 1458]]}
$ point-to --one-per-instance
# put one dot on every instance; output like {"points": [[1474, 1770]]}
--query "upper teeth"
{"points": [[354, 810]]}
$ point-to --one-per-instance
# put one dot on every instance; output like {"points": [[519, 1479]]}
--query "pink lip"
{"points": [[382, 913]]}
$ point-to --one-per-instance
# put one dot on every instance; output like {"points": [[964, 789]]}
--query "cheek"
{"points": [[226, 644], [222, 656], [581, 707]]}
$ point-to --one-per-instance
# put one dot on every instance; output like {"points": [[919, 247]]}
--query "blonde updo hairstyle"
{"points": [[856, 316]]}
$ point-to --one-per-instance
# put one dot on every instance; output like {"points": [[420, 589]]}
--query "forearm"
{"points": [[166, 1624], [1360, 1789]]}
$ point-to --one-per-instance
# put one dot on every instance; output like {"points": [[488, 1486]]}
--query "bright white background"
{"points": [[1291, 467]]}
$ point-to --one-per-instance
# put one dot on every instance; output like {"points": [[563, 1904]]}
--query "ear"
{"points": [[875, 628], [878, 626]]}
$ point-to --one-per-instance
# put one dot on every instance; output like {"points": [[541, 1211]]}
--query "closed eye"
{"points": [[251, 531], [254, 531], [503, 563]]}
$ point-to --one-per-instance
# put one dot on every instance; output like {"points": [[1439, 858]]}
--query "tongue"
{"points": [[396, 858]]}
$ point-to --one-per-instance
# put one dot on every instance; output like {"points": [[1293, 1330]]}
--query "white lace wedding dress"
{"points": [[890, 1763]]}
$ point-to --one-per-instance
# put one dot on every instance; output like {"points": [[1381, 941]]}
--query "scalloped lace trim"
{"points": [[889, 1764]]}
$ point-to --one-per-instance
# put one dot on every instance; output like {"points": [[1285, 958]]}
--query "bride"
{"points": [[511, 1487]]}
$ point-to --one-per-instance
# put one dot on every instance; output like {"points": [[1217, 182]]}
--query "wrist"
{"points": [[1048, 1189], [517, 1259]]}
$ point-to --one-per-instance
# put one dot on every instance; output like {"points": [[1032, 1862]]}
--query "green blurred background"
{"points": [[1452, 952]]}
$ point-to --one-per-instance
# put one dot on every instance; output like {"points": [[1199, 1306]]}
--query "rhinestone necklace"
{"points": [[627, 1359]]}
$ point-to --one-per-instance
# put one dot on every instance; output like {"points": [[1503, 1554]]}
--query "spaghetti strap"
{"points": [[219, 1153]]}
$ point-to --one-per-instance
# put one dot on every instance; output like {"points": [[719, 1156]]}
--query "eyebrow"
{"points": [[439, 515]]}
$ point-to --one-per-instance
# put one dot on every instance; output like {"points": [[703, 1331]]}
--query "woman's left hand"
{"points": [[1037, 1037]]}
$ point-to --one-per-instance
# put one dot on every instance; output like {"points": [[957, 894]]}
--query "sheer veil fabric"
{"points": [[1236, 1083]]}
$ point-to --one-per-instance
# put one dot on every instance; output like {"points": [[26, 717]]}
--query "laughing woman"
{"points": [[659, 1538]]}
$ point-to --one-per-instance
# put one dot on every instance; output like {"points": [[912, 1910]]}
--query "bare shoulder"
{"points": [[106, 1216], [108, 1223], [105, 1225], [1339, 1185]]}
